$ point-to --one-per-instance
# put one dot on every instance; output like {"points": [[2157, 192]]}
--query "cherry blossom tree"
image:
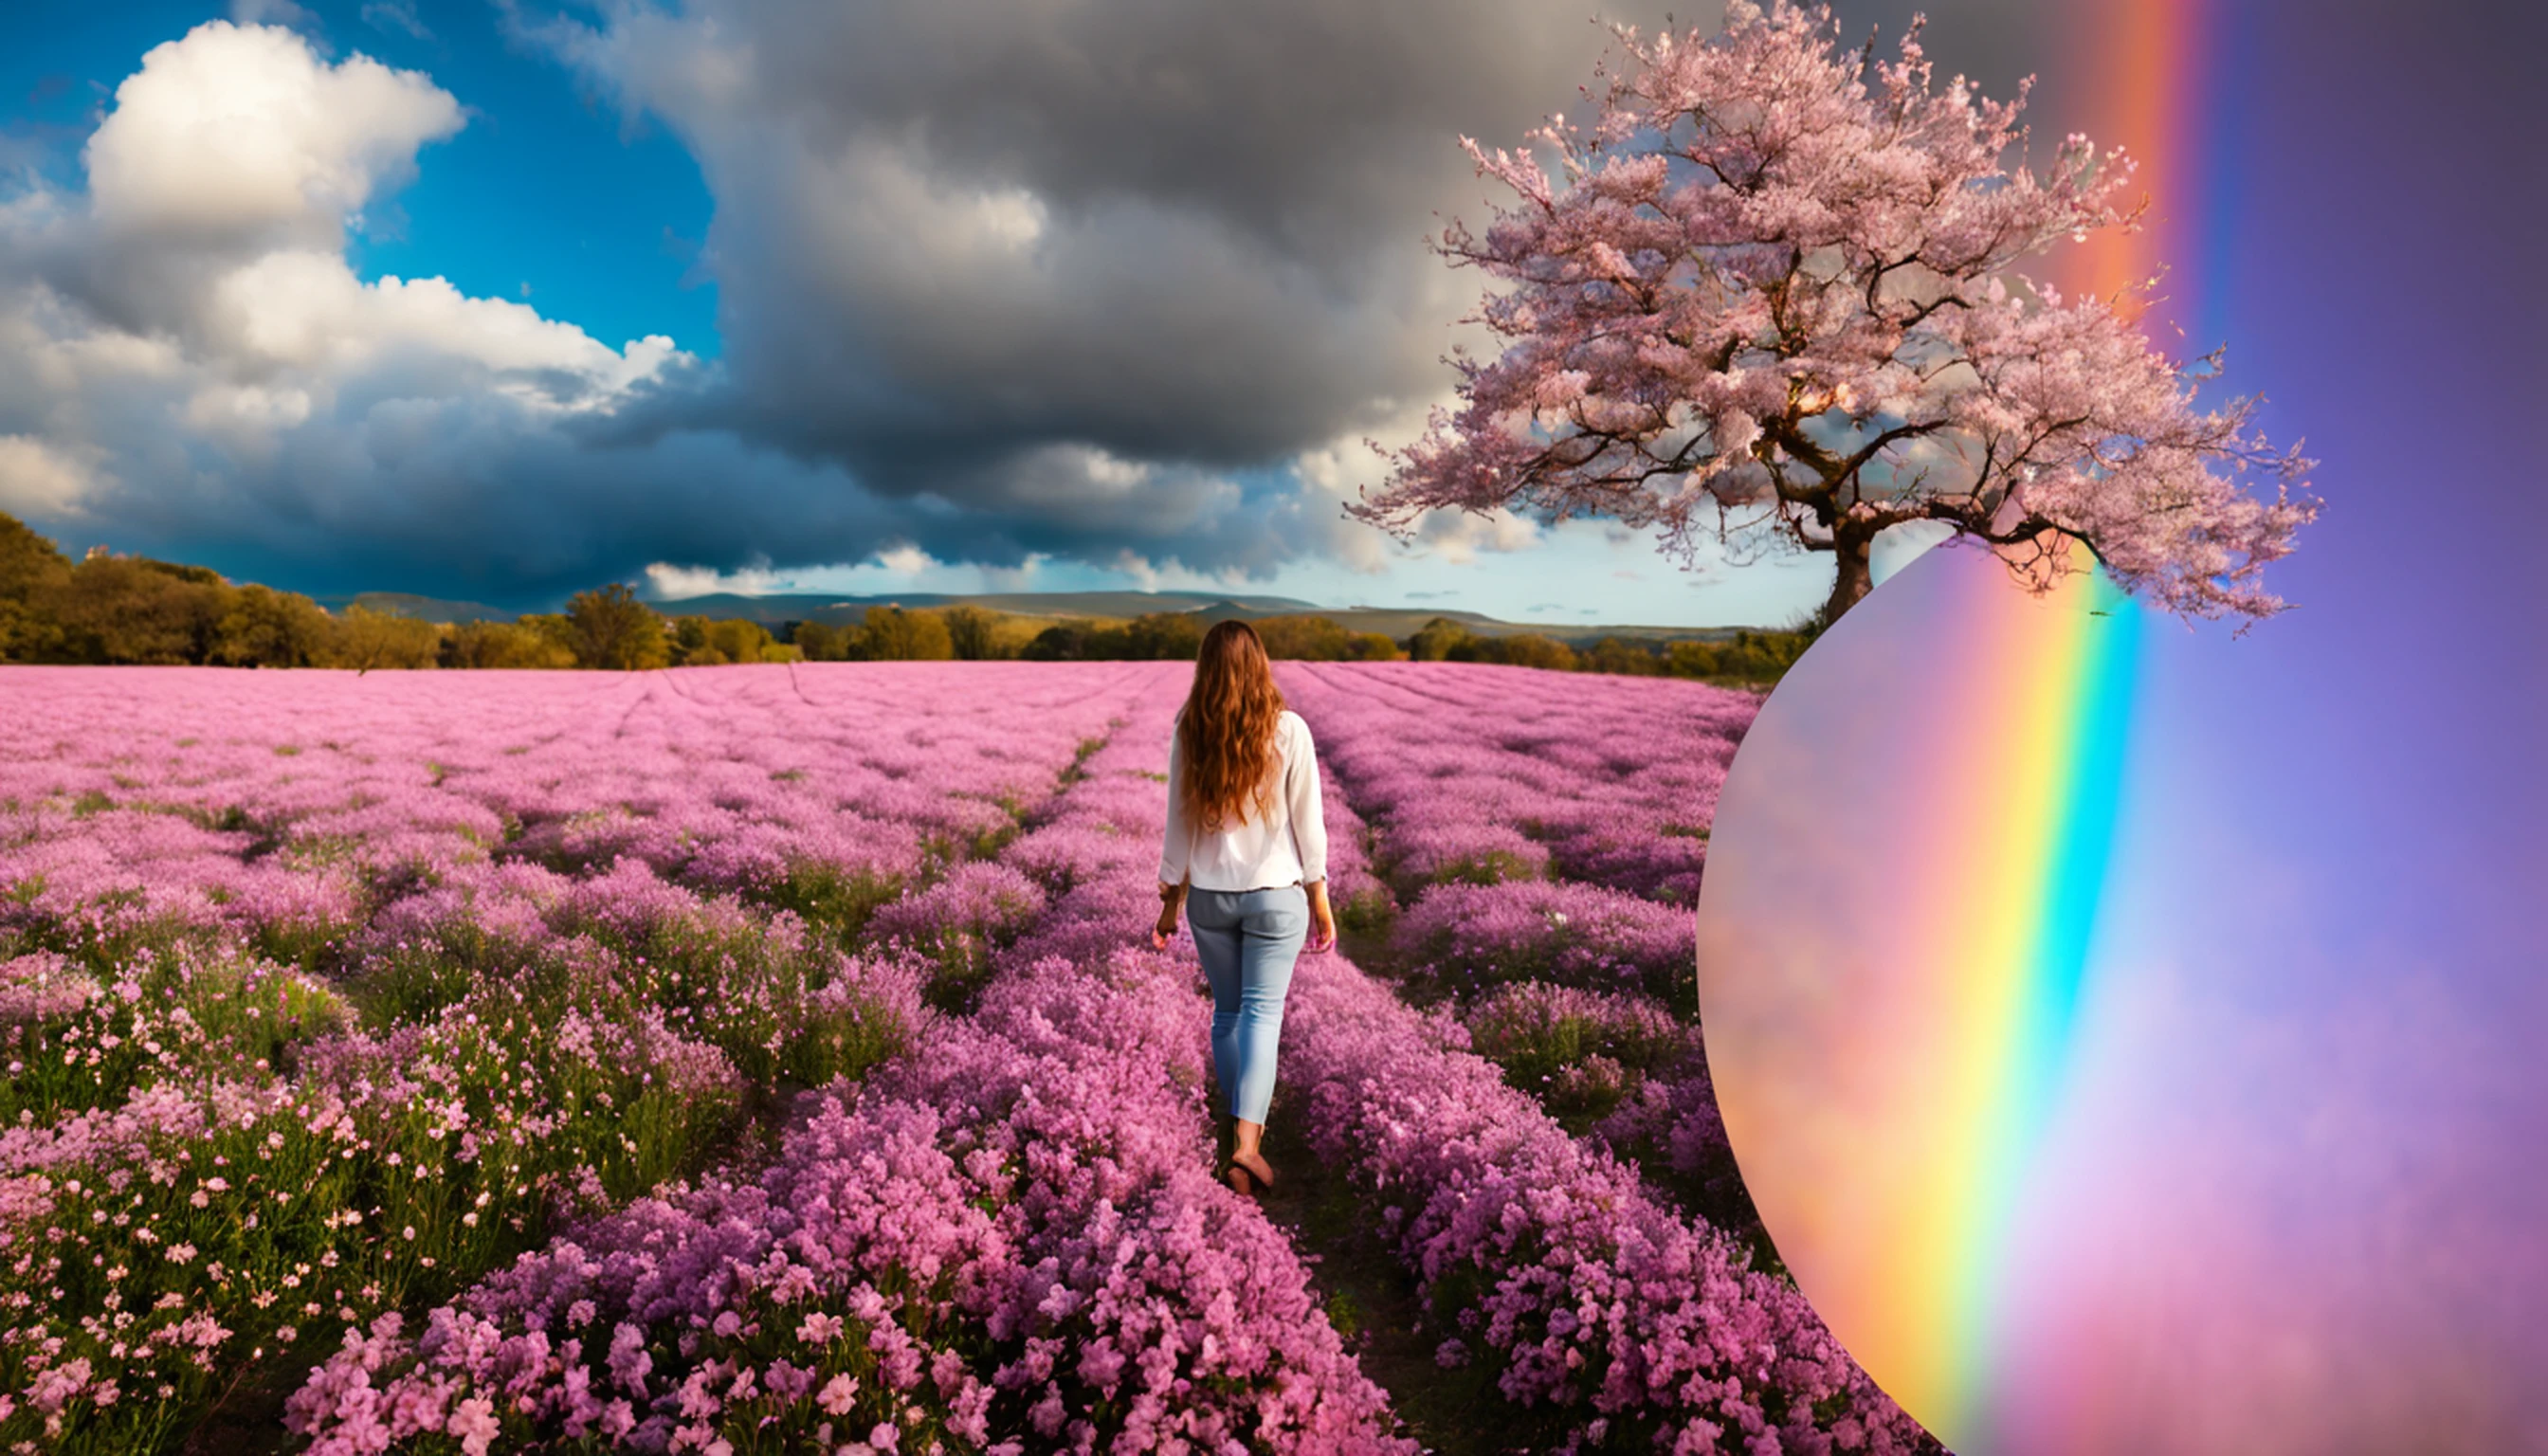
{"points": [[1771, 305]]}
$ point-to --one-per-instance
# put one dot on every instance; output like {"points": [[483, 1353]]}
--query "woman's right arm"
{"points": [[1173, 852], [1178, 842]]}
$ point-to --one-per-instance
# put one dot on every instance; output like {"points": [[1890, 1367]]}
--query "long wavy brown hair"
{"points": [[1226, 731]]}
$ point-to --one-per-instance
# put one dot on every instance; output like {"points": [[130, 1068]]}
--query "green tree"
{"points": [[1164, 636], [517, 644], [1375, 647], [1532, 649], [1748, 657], [32, 572], [894, 635], [1111, 643], [364, 639], [552, 627], [266, 628], [821, 642], [699, 642], [1434, 640], [1522, 650], [1305, 638], [1062, 642], [132, 610], [610, 628], [1615, 655], [1693, 660], [745, 642], [689, 643], [973, 632]]}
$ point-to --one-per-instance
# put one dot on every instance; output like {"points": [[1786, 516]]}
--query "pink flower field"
{"points": [[773, 1059]]}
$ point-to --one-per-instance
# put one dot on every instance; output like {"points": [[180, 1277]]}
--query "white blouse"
{"points": [[1287, 847]]}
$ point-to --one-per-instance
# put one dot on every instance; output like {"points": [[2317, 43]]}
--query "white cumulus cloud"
{"points": [[38, 479], [241, 133], [186, 352]]}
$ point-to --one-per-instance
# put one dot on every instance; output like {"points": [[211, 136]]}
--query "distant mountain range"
{"points": [[1391, 621]]}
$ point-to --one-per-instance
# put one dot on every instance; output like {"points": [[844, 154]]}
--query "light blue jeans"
{"points": [[1247, 941]]}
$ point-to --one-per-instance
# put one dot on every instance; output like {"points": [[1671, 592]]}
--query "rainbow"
{"points": [[1894, 943], [2025, 807], [2158, 78], [2028, 810]]}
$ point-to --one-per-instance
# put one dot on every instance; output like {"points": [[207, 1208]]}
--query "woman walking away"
{"points": [[1246, 854]]}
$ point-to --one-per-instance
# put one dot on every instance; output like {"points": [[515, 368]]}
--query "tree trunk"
{"points": [[1854, 579]]}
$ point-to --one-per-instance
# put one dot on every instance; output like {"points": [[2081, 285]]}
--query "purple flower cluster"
{"points": [[892, 1282], [959, 922], [532, 962], [1611, 1322], [179, 1208], [1620, 1069], [1484, 774], [1360, 897], [774, 1058], [82, 870], [1666, 1124], [1005, 1240], [70, 1044], [782, 1002], [1580, 1052], [215, 798], [1550, 834], [1471, 937]]}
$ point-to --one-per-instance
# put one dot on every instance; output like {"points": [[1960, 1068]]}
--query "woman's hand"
{"points": [[1172, 897], [1322, 920]]}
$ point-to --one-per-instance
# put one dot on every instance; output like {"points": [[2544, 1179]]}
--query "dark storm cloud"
{"points": [[482, 499], [953, 232], [476, 499], [469, 498], [953, 235]]}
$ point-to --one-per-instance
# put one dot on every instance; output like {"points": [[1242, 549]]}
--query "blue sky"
{"points": [[760, 294], [548, 186]]}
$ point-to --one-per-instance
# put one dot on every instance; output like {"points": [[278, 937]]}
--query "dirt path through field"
{"points": [[1370, 1299]]}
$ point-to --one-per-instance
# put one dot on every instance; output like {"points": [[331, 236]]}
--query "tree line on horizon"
{"points": [[112, 609]]}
